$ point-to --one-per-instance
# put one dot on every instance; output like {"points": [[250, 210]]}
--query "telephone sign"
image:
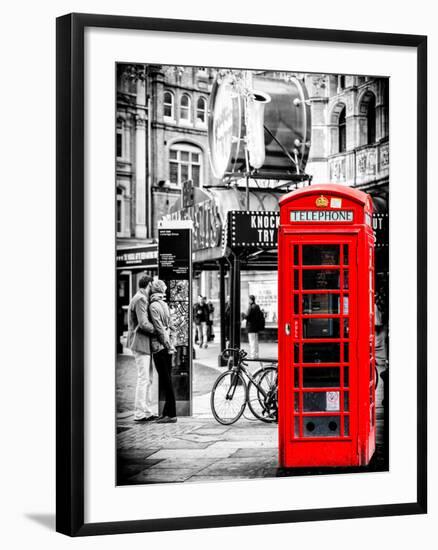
{"points": [[321, 216]]}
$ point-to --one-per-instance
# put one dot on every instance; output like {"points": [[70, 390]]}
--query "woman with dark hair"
{"points": [[162, 347]]}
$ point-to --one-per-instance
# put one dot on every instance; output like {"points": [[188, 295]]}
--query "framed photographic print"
{"points": [[241, 260]]}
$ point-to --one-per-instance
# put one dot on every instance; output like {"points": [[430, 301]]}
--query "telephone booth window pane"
{"points": [[296, 304], [321, 401], [345, 308], [321, 328], [296, 279], [296, 377], [296, 256], [346, 401], [297, 402], [346, 425], [346, 328], [346, 279], [296, 353], [321, 377], [321, 353], [346, 359], [297, 426], [346, 377], [327, 254], [321, 426], [321, 303], [345, 254], [320, 279]]}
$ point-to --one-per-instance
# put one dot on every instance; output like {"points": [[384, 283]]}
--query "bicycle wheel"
{"points": [[228, 397], [262, 396]]}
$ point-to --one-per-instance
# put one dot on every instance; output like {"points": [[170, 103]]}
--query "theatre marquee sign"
{"points": [[253, 229]]}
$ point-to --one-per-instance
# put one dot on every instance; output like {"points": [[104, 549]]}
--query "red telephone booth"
{"points": [[327, 414]]}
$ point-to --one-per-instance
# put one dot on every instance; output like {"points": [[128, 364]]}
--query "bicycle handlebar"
{"points": [[228, 351]]}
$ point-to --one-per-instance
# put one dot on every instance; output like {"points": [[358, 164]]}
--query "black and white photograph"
{"points": [[252, 273]]}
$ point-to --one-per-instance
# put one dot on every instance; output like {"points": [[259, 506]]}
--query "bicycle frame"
{"points": [[241, 368]]}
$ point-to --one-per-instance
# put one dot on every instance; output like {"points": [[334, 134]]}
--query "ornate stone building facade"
{"points": [[161, 142], [131, 117], [350, 130], [162, 138]]}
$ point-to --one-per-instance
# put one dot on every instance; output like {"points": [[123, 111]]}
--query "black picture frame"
{"points": [[70, 273]]}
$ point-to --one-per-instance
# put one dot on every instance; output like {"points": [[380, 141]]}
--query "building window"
{"points": [[342, 136], [184, 108], [341, 82], [119, 143], [371, 120], [185, 163], [168, 105], [201, 110], [119, 213]]}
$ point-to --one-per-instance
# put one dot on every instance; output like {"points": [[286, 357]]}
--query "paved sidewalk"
{"points": [[198, 448], [195, 449]]}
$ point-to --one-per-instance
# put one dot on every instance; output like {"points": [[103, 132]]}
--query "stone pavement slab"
{"points": [[192, 453], [183, 444], [256, 452], [201, 478], [238, 443], [184, 463], [235, 466], [161, 476]]}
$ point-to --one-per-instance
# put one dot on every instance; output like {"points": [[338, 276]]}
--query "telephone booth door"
{"points": [[321, 385]]}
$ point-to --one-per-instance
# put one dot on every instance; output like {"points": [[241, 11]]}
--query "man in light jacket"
{"points": [[140, 330], [163, 348]]}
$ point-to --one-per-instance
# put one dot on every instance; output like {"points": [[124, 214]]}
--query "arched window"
{"points": [[367, 120], [201, 110], [342, 134], [185, 163], [371, 120], [184, 108], [168, 109]]}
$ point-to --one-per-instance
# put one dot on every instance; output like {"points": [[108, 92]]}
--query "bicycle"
{"points": [[231, 393]]}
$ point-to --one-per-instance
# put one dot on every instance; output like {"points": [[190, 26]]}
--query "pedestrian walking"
{"points": [[210, 332], [227, 322], [200, 317], [163, 348], [255, 322], [140, 330]]}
